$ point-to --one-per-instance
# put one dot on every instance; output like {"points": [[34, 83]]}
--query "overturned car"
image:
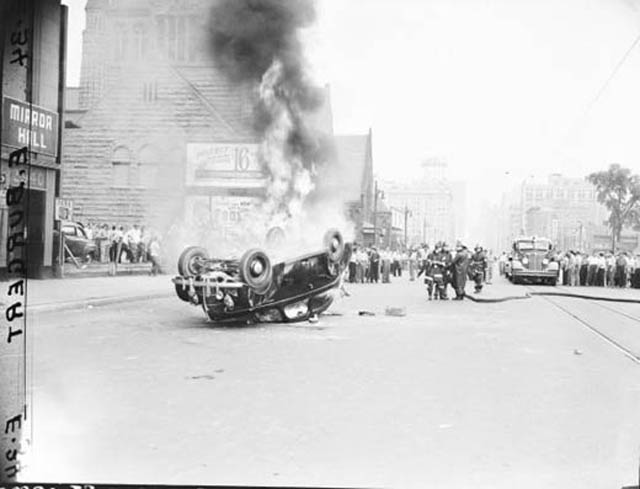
{"points": [[252, 289]]}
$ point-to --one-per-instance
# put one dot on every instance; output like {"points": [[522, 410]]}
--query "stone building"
{"points": [[154, 131]]}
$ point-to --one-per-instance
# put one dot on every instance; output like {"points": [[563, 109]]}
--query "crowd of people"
{"points": [[601, 269], [441, 267], [131, 244]]}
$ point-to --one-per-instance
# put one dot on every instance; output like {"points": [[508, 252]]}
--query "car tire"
{"points": [[256, 271], [335, 245], [189, 263], [553, 282]]}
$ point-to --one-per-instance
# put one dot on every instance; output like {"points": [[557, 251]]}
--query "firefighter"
{"points": [[460, 268], [478, 267], [446, 256], [438, 271], [428, 275]]}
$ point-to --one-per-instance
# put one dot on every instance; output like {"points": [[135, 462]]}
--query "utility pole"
{"points": [[376, 192], [407, 213]]}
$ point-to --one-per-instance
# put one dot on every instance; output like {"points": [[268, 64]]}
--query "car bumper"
{"points": [[535, 273]]}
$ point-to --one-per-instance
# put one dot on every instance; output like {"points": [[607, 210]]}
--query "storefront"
{"points": [[31, 79]]}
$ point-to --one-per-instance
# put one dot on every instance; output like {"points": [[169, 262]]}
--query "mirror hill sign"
{"points": [[26, 124]]}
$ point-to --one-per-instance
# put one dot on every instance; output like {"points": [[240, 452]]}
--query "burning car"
{"points": [[532, 260], [252, 289]]}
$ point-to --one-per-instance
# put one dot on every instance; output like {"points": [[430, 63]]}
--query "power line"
{"points": [[602, 89], [612, 75]]}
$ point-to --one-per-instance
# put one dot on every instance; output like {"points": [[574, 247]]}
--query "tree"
{"points": [[619, 190]]}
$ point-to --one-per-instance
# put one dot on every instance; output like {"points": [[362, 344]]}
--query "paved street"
{"points": [[513, 394]]}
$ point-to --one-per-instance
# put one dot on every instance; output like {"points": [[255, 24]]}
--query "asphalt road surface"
{"points": [[455, 394]]}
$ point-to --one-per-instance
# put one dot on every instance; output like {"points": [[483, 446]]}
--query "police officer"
{"points": [[478, 267], [460, 268]]}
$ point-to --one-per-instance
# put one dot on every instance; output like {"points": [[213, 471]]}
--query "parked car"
{"points": [[77, 243], [252, 289], [532, 260]]}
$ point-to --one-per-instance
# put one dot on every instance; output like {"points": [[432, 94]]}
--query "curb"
{"points": [[95, 302], [104, 273]]}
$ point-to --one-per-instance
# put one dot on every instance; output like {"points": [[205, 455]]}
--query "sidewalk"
{"points": [[79, 293], [102, 269]]}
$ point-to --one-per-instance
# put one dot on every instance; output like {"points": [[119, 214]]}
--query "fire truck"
{"points": [[532, 260]]}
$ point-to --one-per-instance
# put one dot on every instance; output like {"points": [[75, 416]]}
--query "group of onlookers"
{"points": [[119, 243], [604, 269], [368, 264]]}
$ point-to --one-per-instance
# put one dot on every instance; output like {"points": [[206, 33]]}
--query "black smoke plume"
{"points": [[251, 38]]}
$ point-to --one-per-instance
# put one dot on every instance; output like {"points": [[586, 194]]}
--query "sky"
{"points": [[500, 89]]}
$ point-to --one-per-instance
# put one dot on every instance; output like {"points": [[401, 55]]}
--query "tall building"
{"points": [[430, 202], [561, 208]]}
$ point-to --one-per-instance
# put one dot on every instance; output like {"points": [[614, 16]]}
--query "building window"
{"points": [[122, 42], [121, 167], [171, 38], [150, 91], [140, 41]]}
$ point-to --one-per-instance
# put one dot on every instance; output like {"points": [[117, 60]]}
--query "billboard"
{"points": [[224, 164]]}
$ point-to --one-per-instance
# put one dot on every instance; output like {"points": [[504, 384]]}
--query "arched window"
{"points": [[120, 167]]}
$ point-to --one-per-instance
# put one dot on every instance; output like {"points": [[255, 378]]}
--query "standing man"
{"points": [[621, 270], [374, 264], [478, 267], [460, 268], [352, 264], [154, 255]]}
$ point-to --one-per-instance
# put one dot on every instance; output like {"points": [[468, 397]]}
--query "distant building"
{"points": [[431, 204], [561, 208]]}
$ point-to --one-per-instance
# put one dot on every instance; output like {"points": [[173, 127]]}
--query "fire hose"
{"points": [[529, 295]]}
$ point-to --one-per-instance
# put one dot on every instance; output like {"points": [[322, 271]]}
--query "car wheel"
{"points": [[334, 244], [256, 271], [515, 280], [190, 261], [553, 282]]}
